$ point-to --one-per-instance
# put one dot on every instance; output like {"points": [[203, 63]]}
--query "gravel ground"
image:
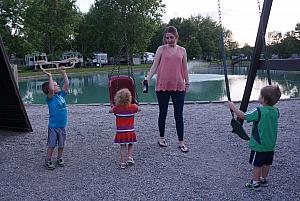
{"points": [[216, 168]]}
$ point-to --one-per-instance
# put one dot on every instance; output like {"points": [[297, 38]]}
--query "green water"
{"points": [[206, 84]]}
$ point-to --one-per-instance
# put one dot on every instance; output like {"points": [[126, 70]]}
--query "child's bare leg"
{"points": [[49, 153], [130, 150], [123, 153], [256, 173], [60, 151], [265, 171]]}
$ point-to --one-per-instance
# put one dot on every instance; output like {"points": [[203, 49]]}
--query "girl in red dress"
{"points": [[125, 133]]}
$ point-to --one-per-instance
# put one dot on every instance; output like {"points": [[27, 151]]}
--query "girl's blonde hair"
{"points": [[123, 97]]}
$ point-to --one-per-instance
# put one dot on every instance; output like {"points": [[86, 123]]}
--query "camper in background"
{"points": [[72, 54], [148, 57], [100, 59], [143, 58], [31, 59]]}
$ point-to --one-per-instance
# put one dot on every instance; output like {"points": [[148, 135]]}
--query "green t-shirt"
{"points": [[267, 128]]}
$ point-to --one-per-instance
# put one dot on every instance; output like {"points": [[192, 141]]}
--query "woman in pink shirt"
{"points": [[170, 65]]}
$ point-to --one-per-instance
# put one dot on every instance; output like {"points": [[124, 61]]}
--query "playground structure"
{"points": [[264, 64], [116, 81], [256, 64], [14, 117]]}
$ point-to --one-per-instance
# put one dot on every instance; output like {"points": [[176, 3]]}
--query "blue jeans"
{"points": [[163, 98]]}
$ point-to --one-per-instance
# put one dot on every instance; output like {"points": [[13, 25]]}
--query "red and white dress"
{"points": [[125, 133]]}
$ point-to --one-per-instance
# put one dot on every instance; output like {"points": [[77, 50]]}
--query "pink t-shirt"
{"points": [[170, 73]]}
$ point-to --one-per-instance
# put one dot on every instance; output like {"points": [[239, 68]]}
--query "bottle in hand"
{"points": [[145, 85]]}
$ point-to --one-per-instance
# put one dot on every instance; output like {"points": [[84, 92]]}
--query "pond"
{"points": [[206, 84]]}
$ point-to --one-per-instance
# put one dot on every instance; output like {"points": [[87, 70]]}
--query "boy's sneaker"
{"points": [[123, 165], [49, 165], [263, 183], [253, 186], [60, 161], [130, 161]]}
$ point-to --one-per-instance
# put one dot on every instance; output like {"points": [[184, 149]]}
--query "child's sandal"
{"points": [[130, 161]]}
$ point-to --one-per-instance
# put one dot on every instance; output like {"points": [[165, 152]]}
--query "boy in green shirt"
{"points": [[264, 134]]}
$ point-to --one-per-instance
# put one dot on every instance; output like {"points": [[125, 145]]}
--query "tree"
{"points": [[11, 23], [297, 31], [208, 36], [230, 45], [201, 36], [247, 50], [122, 26], [157, 38], [188, 29], [193, 48], [50, 25], [288, 45]]}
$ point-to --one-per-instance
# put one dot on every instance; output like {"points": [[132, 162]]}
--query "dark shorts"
{"points": [[56, 136], [261, 158]]}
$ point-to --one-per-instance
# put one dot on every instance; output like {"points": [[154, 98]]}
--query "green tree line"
{"points": [[117, 27]]}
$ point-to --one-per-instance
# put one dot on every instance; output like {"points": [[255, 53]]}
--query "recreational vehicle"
{"points": [[148, 57], [100, 59], [143, 57], [71, 54], [31, 59]]}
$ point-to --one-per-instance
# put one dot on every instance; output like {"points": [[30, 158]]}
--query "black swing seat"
{"points": [[117, 82], [238, 129]]}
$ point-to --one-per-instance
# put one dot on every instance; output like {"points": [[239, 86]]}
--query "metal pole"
{"points": [[256, 54]]}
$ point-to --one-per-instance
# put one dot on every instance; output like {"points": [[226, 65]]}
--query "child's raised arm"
{"points": [[65, 88], [51, 84]]}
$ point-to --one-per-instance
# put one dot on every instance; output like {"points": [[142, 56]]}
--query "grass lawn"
{"points": [[32, 73]]}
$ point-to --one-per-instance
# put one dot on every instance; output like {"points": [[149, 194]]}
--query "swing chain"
{"points": [[259, 7], [219, 12]]}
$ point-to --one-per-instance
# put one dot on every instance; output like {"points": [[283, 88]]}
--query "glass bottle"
{"points": [[145, 85]]}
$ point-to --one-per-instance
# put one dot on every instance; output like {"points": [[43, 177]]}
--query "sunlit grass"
{"points": [[32, 73]]}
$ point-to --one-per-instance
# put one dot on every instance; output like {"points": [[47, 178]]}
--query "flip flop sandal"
{"points": [[183, 148], [162, 144]]}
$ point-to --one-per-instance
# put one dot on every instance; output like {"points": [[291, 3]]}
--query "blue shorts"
{"points": [[56, 136], [261, 158]]}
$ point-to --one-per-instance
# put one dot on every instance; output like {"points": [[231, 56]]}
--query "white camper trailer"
{"points": [[148, 57], [71, 54], [100, 59], [31, 59]]}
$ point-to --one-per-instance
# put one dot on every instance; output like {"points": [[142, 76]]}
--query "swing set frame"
{"points": [[256, 64], [264, 64], [119, 81]]}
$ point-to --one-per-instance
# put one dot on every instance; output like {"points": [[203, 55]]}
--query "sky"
{"points": [[239, 16]]}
